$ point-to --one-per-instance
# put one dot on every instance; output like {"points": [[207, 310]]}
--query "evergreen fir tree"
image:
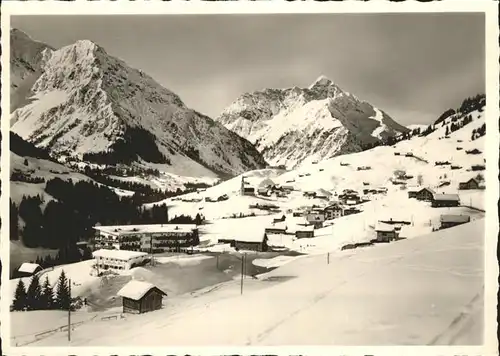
{"points": [[62, 299], [47, 300], [34, 294], [198, 219], [20, 296]]}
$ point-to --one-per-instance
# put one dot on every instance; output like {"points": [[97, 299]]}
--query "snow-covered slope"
{"points": [[294, 124], [416, 157], [89, 104], [423, 291]]}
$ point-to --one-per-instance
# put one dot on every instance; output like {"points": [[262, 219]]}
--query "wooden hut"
{"points": [[385, 232], [304, 232], [470, 184], [141, 297], [445, 200], [28, 270], [453, 220]]}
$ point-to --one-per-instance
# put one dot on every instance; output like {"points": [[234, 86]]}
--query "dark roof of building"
{"points": [[470, 180], [455, 218]]}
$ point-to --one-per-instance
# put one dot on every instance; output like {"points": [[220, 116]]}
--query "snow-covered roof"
{"points": [[119, 230], [29, 267], [137, 289], [304, 228], [384, 227], [322, 193], [428, 189], [455, 218], [118, 254], [446, 197], [279, 225]]}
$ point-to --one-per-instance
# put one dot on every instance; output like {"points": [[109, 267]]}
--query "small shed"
{"points": [[141, 297], [247, 240], [304, 232], [453, 220], [385, 232], [28, 269], [259, 246], [470, 184], [445, 200]]}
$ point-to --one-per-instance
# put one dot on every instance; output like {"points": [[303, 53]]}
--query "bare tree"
{"points": [[420, 179]]}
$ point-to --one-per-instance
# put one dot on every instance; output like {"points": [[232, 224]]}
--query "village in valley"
{"points": [[300, 215], [253, 225]]}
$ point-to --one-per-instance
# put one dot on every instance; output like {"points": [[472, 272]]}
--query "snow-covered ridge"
{"points": [[291, 125], [87, 102], [349, 172]]}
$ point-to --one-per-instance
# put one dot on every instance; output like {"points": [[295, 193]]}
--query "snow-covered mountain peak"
{"points": [[321, 121], [321, 81]]}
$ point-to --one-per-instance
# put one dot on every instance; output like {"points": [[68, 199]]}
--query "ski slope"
{"points": [[422, 291]]}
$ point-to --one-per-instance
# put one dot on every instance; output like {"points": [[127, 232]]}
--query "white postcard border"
{"points": [[490, 9]]}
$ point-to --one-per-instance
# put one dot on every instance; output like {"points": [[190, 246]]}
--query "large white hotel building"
{"points": [[147, 238]]}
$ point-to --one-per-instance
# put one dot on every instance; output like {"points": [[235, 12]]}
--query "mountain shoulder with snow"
{"points": [[90, 105]]}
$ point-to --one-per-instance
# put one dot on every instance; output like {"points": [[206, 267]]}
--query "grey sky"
{"points": [[413, 66]]}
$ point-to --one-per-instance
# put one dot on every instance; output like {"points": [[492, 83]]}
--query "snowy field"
{"points": [[421, 291]]}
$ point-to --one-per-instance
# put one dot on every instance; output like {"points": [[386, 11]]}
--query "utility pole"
{"points": [[328, 258], [69, 311], [151, 249], [217, 261], [242, 267]]}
